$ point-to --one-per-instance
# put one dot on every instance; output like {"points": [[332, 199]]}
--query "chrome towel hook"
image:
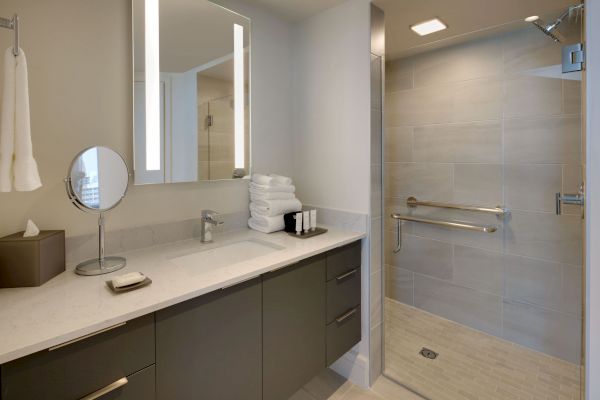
{"points": [[12, 23]]}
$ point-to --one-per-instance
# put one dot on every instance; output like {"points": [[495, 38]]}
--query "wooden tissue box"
{"points": [[31, 261]]}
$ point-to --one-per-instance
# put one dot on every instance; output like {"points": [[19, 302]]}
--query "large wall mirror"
{"points": [[191, 92]]}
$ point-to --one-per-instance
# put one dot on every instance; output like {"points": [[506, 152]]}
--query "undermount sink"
{"points": [[223, 256]]}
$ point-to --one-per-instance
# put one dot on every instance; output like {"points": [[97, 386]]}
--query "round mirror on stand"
{"points": [[96, 182]]}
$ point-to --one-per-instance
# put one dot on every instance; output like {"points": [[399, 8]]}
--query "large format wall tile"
{"points": [[543, 140], [376, 82], [545, 236], [467, 306], [426, 181], [376, 137], [467, 61], [398, 144], [529, 95], [479, 269], [547, 331], [532, 187], [376, 190], [526, 49], [399, 284], [479, 142], [476, 100], [424, 256], [398, 75], [478, 184], [376, 245]]}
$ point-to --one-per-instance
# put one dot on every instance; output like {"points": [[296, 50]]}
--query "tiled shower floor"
{"points": [[471, 364]]}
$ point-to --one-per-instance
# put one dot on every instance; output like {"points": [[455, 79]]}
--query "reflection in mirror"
{"points": [[191, 91], [97, 181]]}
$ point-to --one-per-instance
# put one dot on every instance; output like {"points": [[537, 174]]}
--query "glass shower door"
{"points": [[488, 314]]}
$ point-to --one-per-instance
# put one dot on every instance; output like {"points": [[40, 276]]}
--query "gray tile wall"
{"points": [[490, 122]]}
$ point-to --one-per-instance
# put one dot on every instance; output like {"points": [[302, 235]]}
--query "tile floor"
{"points": [[471, 364], [331, 386]]}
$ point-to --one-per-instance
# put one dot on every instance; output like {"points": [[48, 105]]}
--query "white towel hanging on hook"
{"points": [[18, 168]]}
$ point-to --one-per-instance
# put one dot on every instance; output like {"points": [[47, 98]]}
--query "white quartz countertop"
{"points": [[70, 306]]}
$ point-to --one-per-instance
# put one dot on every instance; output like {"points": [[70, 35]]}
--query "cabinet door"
{"points": [[139, 386], [294, 327], [83, 367], [210, 347]]}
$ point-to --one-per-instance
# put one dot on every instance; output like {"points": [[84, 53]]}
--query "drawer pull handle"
{"points": [[347, 315], [347, 274], [58, 346], [107, 389]]}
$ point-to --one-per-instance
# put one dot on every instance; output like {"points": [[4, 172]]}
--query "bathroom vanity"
{"points": [[255, 329]]}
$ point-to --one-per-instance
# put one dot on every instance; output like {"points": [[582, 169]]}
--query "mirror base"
{"points": [[100, 267]]}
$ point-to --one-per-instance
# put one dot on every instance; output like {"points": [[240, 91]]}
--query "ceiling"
{"points": [[473, 17], [294, 10]]}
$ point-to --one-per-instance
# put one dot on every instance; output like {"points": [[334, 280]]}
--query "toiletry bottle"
{"points": [[298, 223], [306, 221], [313, 220]]}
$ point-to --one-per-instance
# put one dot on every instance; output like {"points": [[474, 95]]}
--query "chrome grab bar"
{"points": [[413, 202], [449, 224]]}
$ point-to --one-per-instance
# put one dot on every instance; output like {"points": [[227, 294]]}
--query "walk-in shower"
{"points": [[484, 287]]}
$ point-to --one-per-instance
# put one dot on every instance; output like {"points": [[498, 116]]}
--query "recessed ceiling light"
{"points": [[428, 27], [532, 18]]}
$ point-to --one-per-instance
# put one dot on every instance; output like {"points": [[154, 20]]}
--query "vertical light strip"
{"points": [[238, 90], [152, 86]]}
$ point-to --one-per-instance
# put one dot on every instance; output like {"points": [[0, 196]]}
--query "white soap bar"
{"points": [[128, 279]]}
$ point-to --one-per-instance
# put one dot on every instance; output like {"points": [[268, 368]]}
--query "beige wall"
{"points": [[79, 55], [479, 123]]}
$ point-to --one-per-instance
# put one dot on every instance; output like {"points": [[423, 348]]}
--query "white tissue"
{"points": [[31, 229]]}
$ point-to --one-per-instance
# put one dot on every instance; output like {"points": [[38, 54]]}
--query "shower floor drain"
{"points": [[427, 353]]}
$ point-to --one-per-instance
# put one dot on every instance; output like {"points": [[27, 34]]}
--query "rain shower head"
{"points": [[550, 28]]}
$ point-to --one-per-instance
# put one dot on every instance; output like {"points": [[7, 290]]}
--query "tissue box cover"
{"points": [[31, 261]]}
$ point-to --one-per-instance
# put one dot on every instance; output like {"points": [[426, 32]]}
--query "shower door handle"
{"points": [[576, 199]]}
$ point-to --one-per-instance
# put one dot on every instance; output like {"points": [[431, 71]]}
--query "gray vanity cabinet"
{"points": [[210, 347], [85, 366], [294, 313]]}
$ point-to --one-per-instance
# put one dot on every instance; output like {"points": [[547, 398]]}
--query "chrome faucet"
{"points": [[208, 217]]}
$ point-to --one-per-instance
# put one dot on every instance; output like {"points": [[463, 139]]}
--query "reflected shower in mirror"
{"points": [[191, 92]]}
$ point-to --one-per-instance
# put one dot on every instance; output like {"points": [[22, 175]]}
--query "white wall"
{"points": [[271, 51], [81, 95], [593, 200], [331, 102]]}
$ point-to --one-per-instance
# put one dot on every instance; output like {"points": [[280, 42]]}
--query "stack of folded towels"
{"points": [[271, 196]]}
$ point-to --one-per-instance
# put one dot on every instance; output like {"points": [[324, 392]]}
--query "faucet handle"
{"points": [[209, 213]]}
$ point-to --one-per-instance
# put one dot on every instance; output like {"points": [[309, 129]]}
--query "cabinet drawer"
{"points": [[342, 334], [342, 260], [343, 293], [139, 386], [82, 367]]}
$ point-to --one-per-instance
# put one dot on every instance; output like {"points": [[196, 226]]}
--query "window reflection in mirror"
{"points": [[201, 130]]}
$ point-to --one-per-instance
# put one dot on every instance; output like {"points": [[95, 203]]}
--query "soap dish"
{"points": [[309, 234], [123, 289]]}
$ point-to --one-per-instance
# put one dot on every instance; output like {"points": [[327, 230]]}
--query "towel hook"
{"points": [[13, 24]]}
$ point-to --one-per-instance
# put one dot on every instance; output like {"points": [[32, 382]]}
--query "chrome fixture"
{"points": [[449, 224], [569, 198], [549, 29], [208, 217], [12, 23], [97, 182], [413, 202]]}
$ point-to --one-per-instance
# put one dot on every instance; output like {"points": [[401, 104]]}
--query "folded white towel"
{"points": [[261, 179], [280, 180], [254, 195], [270, 208], [269, 188], [266, 224], [18, 168]]}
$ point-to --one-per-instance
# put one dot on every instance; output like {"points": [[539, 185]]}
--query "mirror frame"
{"points": [[76, 200]]}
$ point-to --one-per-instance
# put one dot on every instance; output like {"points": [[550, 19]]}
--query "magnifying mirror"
{"points": [[96, 182]]}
